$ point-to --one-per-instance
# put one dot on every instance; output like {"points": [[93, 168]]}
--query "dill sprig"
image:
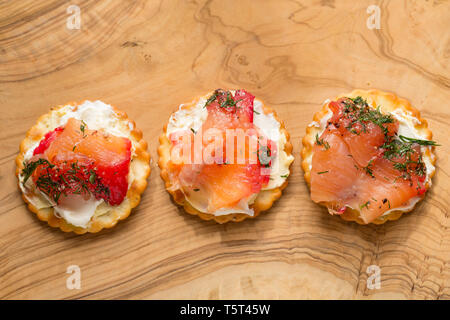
{"points": [[401, 153], [29, 168], [368, 168], [401, 150], [229, 102], [418, 141], [396, 148], [57, 180], [225, 99], [358, 111], [50, 187], [211, 99], [322, 142], [83, 126], [364, 205]]}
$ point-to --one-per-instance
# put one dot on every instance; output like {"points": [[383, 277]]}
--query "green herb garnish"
{"points": [[219, 94], [55, 181], [29, 168], [364, 205], [358, 111], [400, 150], [368, 168], [359, 101], [211, 99], [418, 141], [322, 142], [229, 102], [83, 126]]}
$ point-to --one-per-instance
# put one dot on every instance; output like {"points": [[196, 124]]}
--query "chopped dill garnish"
{"points": [[322, 172], [396, 148], [368, 169], [211, 99], [229, 102], [284, 176], [83, 127], [400, 150], [358, 111], [29, 168], [418, 141], [400, 166], [224, 102], [364, 205], [64, 179], [359, 101], [322, 142], [404, 157]]}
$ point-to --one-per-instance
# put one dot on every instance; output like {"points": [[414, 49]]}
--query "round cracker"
{"points": [[140, 165], [264, 199], [389, 102]]}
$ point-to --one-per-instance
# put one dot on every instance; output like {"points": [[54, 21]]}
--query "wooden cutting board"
{"points": [[147, 57]]}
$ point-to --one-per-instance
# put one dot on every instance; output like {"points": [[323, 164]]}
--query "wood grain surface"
{"points": [[147, 57]]}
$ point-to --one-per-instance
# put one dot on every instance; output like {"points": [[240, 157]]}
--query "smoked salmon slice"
{"points": [[359, 161], [73, 159], [227, 181]]}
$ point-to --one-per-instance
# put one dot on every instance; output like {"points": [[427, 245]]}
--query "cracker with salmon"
{"points": [[368, 156], [83, 167], [226, 190]]}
